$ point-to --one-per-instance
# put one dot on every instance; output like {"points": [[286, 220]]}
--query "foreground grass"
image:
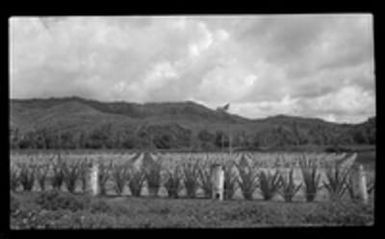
{"points": [[63, 210]]}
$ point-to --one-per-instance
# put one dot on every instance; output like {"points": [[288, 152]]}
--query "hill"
{"points": [[74, 122]]}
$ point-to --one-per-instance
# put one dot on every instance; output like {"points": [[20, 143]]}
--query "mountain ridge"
{"points": [[167, 124], [124, 104]]}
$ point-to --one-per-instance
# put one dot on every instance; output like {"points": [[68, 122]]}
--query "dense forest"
{"points": [[75, 123]]}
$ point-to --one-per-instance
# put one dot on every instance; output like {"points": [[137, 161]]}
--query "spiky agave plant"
{"points": [[136, 178], [288, 186], [15, 178], [311, 178], [153, 177], [230, 181], [71, 174], [27, 176], [337, 181], [190, 178], [104, 176], [84, 167], [269, 184], [247, 180], [119, 174], [173, 182], [370, 186], [42, 175], [58, 177], [205, 179]]}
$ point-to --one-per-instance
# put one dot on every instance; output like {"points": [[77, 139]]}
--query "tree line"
{"points": [[173, 136]]}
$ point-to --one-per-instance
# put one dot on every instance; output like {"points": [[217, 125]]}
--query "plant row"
{"points": [[191, 176]]}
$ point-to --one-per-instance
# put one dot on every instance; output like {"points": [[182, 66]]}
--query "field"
{"points": [[173, 190]]}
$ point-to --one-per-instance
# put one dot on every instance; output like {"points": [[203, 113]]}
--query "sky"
{"points": [[308, 65]]}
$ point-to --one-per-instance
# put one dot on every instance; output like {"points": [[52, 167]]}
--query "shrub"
{"points": [[136, 179], [370, 186], [247, 180], [269, 184], [288, 187], [230, 182], [14, 178], [173, 182], [14, 204], [83, 175], [205, 179], [27, 176], [153, 177], [190, 178], [55, 200], [119, 174], [100, 206], [58, 176], [311, 178], [336, 183], [41, 175], [103, 177], [71, 174]]}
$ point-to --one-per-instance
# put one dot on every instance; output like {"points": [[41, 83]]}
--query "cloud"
{"points": [[307, 65]]}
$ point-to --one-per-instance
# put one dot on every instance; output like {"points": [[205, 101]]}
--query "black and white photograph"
{"points": [[192, 121]]}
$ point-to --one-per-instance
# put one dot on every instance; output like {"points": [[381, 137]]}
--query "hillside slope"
{"points": [[78, 116]]}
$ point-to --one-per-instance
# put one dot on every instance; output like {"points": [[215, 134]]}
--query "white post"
{"points": [[93, 179], [218, 181], [359, 184]]}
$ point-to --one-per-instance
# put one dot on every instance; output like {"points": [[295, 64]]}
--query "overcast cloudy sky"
{"points": [[306, 65]]}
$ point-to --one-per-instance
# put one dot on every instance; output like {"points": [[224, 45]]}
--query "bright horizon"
{"points": [[314, 66]]}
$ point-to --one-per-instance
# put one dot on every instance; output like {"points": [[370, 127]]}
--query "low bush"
{"points": [[119, 175], [55, 200], [337, 180], [205, 179], [269, 184], [14, 178], [136, 179], [191, 178], [247, 178], [153, 177], [42, 175], [27, 176], [288, 187], [173, 182], [311, 178], [230, 182], [104, 176]]}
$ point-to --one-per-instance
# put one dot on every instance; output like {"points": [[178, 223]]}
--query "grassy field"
{"points": [[35, 206], [64, 210]]}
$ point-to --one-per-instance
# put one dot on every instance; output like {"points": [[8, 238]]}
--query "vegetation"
{"points": [[59, 210], [288, 186], [27, 176], [153, 177], [336, 182], [269, 184], [230, 181], [122, 127], [190, 178], [173, 182], [136, 179], [205, 179], [119, 174], [104, 176], [247, 180], [311, 178]]}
